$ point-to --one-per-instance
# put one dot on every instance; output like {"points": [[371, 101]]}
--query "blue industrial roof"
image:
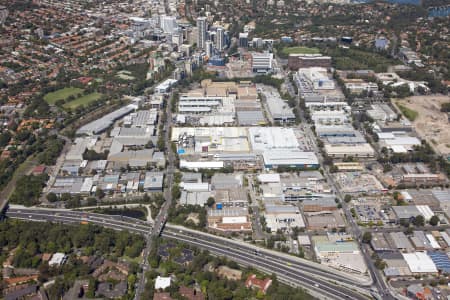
{"points": [[441, 261]]}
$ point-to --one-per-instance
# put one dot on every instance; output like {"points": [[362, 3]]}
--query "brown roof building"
{"points": [[162, 296], [191, 294], [261, 284]]}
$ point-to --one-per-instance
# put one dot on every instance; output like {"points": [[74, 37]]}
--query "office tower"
{"points": [[209, 48], [220, 39], [201, 35], [243, 39], [168, 24]]}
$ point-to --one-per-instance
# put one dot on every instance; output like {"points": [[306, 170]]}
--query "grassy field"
{"points": [[407, 112], [300, 50], [64, 93], [83, 100]]}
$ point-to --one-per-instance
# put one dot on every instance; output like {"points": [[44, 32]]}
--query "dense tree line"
{"points": [[31, 240], [28, 189], [355, 59], [49, 149]]}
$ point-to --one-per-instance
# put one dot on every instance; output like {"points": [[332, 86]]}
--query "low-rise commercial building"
{"points": [[283, 217], [364, 150], [228, 220], [153, 181]]}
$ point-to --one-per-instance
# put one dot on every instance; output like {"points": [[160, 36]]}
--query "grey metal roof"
{"points": [[253, 117], [406, 212], [282, 209], [153, 180]]}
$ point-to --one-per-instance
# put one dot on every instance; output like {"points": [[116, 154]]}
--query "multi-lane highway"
{"points": [[329, 283]]}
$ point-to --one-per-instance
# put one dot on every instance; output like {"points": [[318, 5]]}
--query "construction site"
{"points": [[431, 124]]}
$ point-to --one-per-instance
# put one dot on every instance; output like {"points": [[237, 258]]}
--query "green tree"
{"points": [[51, 197], [99, 193], [434, 220], [367, 237], [210, 202], [419, 221], [347, 198]]}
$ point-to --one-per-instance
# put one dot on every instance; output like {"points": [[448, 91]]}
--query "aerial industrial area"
{"points": [[225, 150]]}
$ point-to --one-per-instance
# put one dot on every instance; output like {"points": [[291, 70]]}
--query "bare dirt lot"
{"points": [[431, 124]]}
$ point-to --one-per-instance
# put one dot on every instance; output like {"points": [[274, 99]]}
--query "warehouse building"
{"points": [[395, 264], [342, 255], [67, 185], [324, 131], [379, 243], [382, 112], [100, 125], [398, 142], [283, 217], [420, 241], [154, 181], [267, 138], [357, 150], [290, 158], [399, 241], [324, 220], [420, 263], [250, 117], [226, 181], [408, 212], [141, 118], [78, 148], [279, 109], [319, 205], [194, 198], [235, 197], [441, 261], [228, 220], [199, 104], [329, 117]]}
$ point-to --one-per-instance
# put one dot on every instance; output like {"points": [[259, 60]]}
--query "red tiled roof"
{"points": [[263, 285]]}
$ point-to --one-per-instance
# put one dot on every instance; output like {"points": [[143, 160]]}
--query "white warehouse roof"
{"points": [[195, 186], [266, 178], [425, 211], [201, 164], [419, 262], [432, 241], [287, 157]]}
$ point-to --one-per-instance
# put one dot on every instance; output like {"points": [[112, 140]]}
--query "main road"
{"points": [[318, 279], [161, 218]]}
